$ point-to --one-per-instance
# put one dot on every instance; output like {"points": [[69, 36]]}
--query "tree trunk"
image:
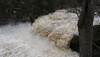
{"points": [[85, 27]]}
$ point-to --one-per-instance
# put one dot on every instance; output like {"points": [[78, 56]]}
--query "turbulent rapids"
{"points": [[49, 36]]}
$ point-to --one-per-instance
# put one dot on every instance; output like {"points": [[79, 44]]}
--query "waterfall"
{"points": [[19, 41], [37, 40]]}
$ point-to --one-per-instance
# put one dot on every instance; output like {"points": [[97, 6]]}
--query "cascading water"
{"points": [[20, 40]]}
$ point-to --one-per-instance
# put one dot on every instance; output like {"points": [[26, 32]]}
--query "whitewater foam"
{"points": [[18, 41]]}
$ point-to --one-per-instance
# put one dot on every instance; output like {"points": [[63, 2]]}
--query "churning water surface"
{"points": [[19, 41]]}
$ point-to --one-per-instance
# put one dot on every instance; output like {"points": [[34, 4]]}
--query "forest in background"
{"points": [[29, 10]]}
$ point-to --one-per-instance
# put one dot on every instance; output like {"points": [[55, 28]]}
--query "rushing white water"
{"points": [[59, 27], [18, 41]]}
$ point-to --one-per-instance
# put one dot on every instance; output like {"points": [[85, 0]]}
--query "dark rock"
{"points": [[75, 43]]}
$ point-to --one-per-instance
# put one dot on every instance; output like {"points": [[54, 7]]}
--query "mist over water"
{"points": [[19, 41]]}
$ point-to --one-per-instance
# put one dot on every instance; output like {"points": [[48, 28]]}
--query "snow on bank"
{"points": [[19, 41]]}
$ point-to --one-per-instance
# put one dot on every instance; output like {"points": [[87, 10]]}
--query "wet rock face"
{"points": [[96, 42], [74, 45]]}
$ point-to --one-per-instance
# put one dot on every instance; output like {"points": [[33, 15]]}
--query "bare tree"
{"points": [[85, 27]]}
